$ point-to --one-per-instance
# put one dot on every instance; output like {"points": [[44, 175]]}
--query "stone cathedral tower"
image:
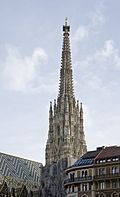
{"points": [[66, 135], [66, 139]]}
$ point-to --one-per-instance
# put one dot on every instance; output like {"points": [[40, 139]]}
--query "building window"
{"points": [[90, 172], [102, 161], [78, 173], [82, 174], [102, 185], [115, 159], [85, 173], [72, 188], [107, 184], [84, 187], [115, 170], [101, 171], [90, 186], [114, 184], [78, 187], [96, 185], [72, 176], [69, 189]]}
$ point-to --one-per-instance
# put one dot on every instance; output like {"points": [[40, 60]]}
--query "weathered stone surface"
{"points": [[66, 140], [53, 176]]}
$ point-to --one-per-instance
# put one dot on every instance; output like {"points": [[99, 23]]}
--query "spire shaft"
{"points": [[66, 78]]}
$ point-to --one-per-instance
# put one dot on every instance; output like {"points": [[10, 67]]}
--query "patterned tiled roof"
{"points": [[19, 168]]}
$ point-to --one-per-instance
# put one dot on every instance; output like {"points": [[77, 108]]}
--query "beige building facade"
{"points": [[95, 174]]}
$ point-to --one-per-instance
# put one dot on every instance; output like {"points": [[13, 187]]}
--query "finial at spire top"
{"points": [[66, 21], [66, 27]]}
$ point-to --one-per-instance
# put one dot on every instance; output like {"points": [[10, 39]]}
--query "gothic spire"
{"points": [[66, 79], [66, 134]]}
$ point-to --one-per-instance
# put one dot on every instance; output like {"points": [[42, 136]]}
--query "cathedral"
{"points": [[65, 143]]}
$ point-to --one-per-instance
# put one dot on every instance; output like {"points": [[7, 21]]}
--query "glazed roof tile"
{"points": [[19, 168]]}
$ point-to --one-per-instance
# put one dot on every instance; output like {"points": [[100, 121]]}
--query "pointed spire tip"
{"points": [[66, 27], [66, 21]]}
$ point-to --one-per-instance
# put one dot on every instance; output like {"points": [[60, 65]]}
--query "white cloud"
{"points": [[100, 71], [104, 57], [80, 34], [97, 17], [96, 20], [22, 73]]}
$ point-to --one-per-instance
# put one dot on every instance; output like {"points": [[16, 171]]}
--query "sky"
{"points": [[30, 58]]}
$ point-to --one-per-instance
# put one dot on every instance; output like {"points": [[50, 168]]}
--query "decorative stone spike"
{"points": [[81, 111], [50, 110]]}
